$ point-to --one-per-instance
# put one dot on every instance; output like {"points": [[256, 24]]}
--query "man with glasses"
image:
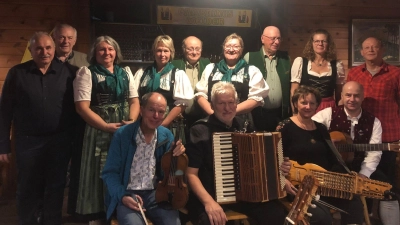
{"points": [[381, 83], [193, 64], [275, 67]]}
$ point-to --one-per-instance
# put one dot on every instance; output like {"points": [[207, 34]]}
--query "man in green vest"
{"points": [[65, 36], [193, 64], [275, 66]]}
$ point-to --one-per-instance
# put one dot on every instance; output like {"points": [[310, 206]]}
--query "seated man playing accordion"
{"points": [[202, 206]]}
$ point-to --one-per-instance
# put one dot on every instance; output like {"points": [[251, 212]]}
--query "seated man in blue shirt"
{"points": [[134, 165]]}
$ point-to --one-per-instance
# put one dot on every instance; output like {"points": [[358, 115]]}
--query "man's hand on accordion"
{"points": [[215, 213], [285, 166]]}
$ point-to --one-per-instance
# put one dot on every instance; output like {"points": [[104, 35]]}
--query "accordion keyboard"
{"points": [[224, 168]]}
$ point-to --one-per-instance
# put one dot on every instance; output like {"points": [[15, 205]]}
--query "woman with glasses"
{"points": [[247, 79], [319, 68], [164, 78]]}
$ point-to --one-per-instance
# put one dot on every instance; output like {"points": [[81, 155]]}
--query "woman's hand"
{"points": [[112, 127], [179, 149], [126, 122]]}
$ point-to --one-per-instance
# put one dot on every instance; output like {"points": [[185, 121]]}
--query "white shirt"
{"points": [[83, 84], [258, 88], [372, 158], [183, 91], [297, 68], [143, 168]]}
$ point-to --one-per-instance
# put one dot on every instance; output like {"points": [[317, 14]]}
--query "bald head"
{"points": [[353, 85], [352, 97], [192, 47], [271, 39]]}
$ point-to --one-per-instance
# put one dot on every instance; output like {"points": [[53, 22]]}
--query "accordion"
{"points": [[247, 167]]}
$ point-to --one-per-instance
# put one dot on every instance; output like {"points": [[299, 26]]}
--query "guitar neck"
{"points": [[339, 185], [361, 147]]}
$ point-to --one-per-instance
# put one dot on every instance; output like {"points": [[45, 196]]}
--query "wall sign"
{"points": [[204, 16]]}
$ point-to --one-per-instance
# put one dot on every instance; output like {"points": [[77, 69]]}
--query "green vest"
{"points": [[283, 69], [180, 64]]}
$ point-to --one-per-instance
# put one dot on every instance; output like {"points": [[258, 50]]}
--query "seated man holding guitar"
{"points": [[202, 205], [134, 164], [307, 141], [363, 128]]}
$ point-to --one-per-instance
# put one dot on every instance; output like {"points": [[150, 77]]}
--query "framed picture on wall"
{"points": [[386, 30]]}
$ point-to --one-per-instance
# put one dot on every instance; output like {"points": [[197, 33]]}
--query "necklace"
{"points": [[308, 129], [319, 63]]}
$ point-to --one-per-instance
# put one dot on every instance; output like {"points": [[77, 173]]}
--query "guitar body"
{"points": [[343, 138]]}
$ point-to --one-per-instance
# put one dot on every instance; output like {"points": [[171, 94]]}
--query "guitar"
{"points": [[344, 144], [339, 185], [302, 201]]}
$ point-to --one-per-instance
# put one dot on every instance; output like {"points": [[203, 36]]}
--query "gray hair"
{"points": [[147, 96], [109, 40], [222, 88], [64, 25], [184, 45], [37, 35], [168, 42]]}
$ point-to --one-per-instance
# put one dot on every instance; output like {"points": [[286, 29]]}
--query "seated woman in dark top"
{"points": [[303, 141]]}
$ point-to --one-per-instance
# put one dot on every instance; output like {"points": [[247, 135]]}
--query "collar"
{"points": [[215, 121], [354, 120], [189, 66], [70, 56], [52, 68], [266, 55], [142, 138], [384, 67]]}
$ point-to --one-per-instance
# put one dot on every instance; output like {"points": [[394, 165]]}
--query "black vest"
{"points": [[325, 85], [362, 131]]}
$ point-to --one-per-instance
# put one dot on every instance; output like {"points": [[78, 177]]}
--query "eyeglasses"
{"points": [[193, 49], [320, 42], [273, 39], [234, 47]]}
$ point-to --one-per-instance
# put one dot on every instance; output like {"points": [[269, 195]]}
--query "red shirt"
{"points": [[382, 93]]}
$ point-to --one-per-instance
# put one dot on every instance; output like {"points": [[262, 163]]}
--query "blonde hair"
{"points": [[231, 37], [167, 41]]}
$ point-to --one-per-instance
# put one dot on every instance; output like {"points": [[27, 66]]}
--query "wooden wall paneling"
{"points": [[8, 61], [318, 22], [23, 23], [305, 32], [34, 11], [319, 11], [16, 48], [41, 2]]}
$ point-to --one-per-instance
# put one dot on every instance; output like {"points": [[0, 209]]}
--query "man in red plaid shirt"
{"points": [[381, 83]]}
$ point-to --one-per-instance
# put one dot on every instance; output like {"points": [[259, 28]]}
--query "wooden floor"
{"points": [[8, 214]]}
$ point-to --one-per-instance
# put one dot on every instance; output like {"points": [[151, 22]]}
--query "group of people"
{"points": [[114, 126]]}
